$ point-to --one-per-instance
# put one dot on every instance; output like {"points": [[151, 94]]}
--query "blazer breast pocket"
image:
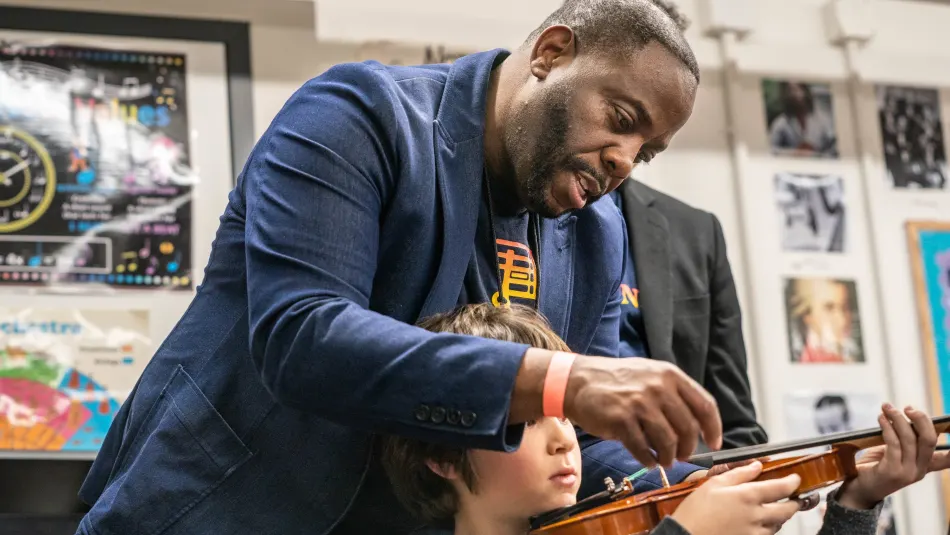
{"points": [[689, 307]]}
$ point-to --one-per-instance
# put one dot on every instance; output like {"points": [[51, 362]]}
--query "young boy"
{"points": [[494, 493]]}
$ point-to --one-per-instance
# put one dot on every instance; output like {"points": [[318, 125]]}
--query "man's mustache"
{"points": [[581, 166]]}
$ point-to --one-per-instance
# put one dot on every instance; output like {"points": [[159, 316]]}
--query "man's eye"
{"points": [[622, 120], [530, 423]]}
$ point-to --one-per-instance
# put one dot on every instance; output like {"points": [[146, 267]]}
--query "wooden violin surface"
{"points": [[625, 513]]}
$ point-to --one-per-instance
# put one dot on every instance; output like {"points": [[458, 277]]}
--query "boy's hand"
{"points": [[732, 503], [720, 469], [905, 458]]}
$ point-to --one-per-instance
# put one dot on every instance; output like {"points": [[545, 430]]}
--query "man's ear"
{"points": [[445, 471], [556, 46]]}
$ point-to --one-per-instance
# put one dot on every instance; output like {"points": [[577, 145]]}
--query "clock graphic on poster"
{"points": [[27, 179]]}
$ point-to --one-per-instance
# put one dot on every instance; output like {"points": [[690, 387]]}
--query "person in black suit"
{"points": [[679, 305], [685, 309]]}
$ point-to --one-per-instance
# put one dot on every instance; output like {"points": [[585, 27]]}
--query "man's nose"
{"points": [[620, 161]]}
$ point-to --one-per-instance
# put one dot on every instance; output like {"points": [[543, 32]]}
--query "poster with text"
{"points": [[824, 324], [811, 212], [65, 373], [814, 414], [912, 133], [95, 176]]}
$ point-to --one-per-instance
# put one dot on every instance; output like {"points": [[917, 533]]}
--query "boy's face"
{"points": [[543, 474]]}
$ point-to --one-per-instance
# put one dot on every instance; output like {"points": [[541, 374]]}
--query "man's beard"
{"points": [[547, 156]]}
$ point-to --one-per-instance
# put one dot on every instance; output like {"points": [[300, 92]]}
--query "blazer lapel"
{"points": [[650, 235], [556, 269], [458, 131]]}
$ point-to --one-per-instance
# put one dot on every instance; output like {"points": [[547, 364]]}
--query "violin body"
{"points": [[627, 513], [640, 513]]}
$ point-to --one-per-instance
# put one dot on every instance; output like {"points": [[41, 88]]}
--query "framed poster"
{"points": [[99, 170], [95, 174], [929, 243], [912, 134], [819, 413], [823, 321], [799, 119], [64, 373], [811, 212]]}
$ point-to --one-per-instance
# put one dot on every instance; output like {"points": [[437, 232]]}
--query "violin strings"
{"points": [[637, 474]]}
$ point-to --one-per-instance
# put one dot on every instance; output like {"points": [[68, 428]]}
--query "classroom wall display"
{"points": [[95, 175], [800, 119], [912, 133], [811, 212], [929, 244], [823, 321], [65, 373], [810, 414]]}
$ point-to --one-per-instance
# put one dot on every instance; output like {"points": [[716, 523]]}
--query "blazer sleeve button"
{"points": [[421, 413], [453, 417], [438, 415], [468, 419]]}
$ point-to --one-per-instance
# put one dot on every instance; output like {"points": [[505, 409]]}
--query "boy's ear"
{"points": [[446, 471]]}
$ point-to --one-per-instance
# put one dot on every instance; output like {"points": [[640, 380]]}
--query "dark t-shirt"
{"points": [[507, 253]]}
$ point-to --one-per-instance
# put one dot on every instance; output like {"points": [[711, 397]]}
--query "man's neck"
{"points": [[473, 522]]}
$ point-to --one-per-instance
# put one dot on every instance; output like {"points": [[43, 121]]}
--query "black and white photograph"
{"points": [[799, 119], [810, 414], [912, 134], [811, 212]]}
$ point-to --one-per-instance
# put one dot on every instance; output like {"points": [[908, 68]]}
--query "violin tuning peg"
{"points": [[611, 486]]}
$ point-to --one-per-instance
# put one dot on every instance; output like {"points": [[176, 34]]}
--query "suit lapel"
{"points": [[458, 133], [556, 269], [651, 256]]}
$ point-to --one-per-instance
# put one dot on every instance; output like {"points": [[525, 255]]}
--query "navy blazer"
{"points": [[353, 217]]}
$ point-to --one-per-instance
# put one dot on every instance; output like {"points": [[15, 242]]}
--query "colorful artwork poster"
{"points": [[65, 373], [95, 176], [930, 256], [812, 414]]}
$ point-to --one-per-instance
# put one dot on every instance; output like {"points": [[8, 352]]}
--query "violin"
{"points": [[618, 511]]}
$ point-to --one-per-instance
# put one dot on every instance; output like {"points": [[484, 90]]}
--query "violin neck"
{"points": [[865, 438]]}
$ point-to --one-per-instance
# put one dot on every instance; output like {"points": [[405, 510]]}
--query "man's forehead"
{"points": [[666, 89]]}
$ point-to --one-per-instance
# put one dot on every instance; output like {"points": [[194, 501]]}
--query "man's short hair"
{"points": [[609, 25], [424, 493]]}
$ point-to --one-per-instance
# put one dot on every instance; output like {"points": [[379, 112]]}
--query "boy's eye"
{"points": [[530, 423]]}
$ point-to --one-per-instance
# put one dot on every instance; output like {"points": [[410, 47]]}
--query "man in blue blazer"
{"points": [[380, 195]]}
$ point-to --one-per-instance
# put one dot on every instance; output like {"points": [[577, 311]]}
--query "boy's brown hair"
{"points": [[424, 493]]}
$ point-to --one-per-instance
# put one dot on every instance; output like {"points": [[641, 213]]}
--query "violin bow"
{"points": [[861, 439]]}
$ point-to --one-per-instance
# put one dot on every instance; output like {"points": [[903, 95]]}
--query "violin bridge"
{"points": [[666, 482]]}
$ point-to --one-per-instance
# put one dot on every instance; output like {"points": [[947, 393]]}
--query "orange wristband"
{"points": [[555, 383]]}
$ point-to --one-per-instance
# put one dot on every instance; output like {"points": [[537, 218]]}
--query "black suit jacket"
{"points": [[689, 303]]}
